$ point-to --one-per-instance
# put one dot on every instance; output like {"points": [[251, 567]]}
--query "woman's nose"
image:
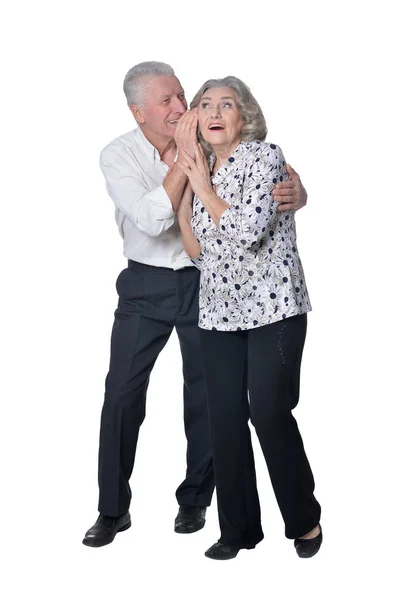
{"points": [[215, 112]]}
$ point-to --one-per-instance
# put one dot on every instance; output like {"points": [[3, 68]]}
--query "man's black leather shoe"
{"points": [[190, 519], [105, 529], [224, 551], [308, 548]]}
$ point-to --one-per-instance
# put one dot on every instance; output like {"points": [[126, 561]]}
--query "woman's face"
{"points": [[219, 117]]}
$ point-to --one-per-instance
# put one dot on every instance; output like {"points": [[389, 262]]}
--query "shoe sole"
{"points": [[307, 555], [228, 557], [94, 544]]}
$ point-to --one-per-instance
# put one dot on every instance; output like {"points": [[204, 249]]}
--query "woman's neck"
{"points": [[222, 153]]}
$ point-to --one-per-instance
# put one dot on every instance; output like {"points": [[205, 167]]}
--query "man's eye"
{"points": [[165, 101]]}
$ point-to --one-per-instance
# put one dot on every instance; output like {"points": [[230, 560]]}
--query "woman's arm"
{"points": [[247, 224], [197, 171]]}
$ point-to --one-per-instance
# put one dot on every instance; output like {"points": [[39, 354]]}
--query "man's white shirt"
{"points": [[134, 173]]}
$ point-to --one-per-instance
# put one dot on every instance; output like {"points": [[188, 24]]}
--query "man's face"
{"points": [[163, 104]]}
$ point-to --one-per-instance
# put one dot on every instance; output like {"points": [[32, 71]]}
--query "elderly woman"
{"points": [[253, 305]]}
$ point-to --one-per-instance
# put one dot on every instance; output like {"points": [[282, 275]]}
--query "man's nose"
{"points": [[178, 106]]}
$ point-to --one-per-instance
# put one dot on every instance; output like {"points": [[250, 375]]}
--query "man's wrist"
{"points": [[184, 218]]}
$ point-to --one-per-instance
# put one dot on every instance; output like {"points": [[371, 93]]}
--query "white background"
{"points": [[324, 74]]}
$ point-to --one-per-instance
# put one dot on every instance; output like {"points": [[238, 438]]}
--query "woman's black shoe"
{"points": [[308, 548], [224, 551]]}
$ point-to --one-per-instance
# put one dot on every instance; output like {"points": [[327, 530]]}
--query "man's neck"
{"points": [[165, 146]]}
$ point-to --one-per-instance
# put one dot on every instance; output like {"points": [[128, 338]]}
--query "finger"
{"points": [[185, 121], [201, 161], [197, 153], [282, 192], [194, 119], [285, 199], [182, 124], [188, 127], [283, 185], [187, 158], [286, 206], [291, 171], [201, 150], [180, 127], [202, 155], [186, 170], [193, 129], [183, 117], [190, 116], [183, 161]]}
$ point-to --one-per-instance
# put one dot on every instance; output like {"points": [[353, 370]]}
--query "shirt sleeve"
{"points": [[150, 210], [246, 223]]}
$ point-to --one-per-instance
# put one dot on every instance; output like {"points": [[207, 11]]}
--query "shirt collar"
{"points": [[148, 148], [231, 163]]}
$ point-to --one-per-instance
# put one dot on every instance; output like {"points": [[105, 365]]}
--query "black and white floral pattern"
{"points": [[251, 273]]}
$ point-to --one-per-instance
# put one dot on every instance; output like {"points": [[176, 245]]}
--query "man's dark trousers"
{"points": [[152, 300]]}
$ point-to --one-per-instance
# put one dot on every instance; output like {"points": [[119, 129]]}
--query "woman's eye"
{"points": [[205, 105], [227, 105]]}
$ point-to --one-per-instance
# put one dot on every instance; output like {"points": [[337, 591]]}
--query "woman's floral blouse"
{"points": [[251, 273]]}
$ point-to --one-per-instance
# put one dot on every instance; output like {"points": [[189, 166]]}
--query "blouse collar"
{"points": [[231, 163]]}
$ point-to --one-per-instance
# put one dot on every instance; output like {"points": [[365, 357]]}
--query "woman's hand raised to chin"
{"points": [[197, 170]]}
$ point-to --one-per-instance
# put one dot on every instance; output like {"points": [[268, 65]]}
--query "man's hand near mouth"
{"points": [[186, 132]]}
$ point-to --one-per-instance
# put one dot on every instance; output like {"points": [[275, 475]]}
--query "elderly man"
{"points": [[157, 292]]}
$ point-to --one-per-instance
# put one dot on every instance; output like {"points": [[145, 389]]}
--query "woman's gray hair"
{"points": [[139, 75], [254, 122]]}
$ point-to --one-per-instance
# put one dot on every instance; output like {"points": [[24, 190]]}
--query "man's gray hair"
{"points": [[254, 122], [139, 75]]}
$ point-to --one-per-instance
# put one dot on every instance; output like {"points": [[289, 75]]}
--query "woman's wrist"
{"points": [[207, 196]]}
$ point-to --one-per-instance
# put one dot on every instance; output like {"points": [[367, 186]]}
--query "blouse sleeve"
{"points": [[198, 260], [246, 223]]}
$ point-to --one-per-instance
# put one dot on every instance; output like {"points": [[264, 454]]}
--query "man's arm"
{"points": [[185, 137], [174, 184], [150, 210], [184, 215], [291, 194]]}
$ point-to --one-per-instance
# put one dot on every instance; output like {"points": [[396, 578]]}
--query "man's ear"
{"points": [[138, 113]]}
